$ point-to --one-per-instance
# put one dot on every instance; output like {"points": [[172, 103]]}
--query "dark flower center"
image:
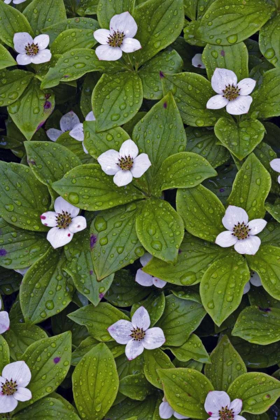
{"points": [[226, 414], [125, 163], [241, 231], [9, 387], [63, 220], [231, 92], [32, 49], [137, 334], [116, 39]]}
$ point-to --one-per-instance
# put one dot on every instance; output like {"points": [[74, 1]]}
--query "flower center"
{"points": [[116, 39], [9, 387], [137, 334], [231, 92], [63, 220], [241, 231], [125, 163], [226, 414], [32, 49]]}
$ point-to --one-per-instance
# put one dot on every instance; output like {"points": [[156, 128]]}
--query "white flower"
{"points": [[15, 377], [31, 51], [146, 279], [4, 321], [218, 406], [14, 1], [275, 165], [118, 39], [77, 131], [165, 411], [64, 222], [197, 61], [136, 334], [67, 123], [254, 280], [22, 271], [240, 233], [231, 94], [125, 164]]}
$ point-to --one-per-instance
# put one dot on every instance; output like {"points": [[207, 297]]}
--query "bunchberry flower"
{"points": [[64, 222], [31, 50], [166, 412], [232, 95], [197, 61], [22, 271], [67, 123], [146, 279], [14, 1], [275, 165], [77, 131], [241, 233], [218, 406], [136, 334], [4, 320], [118, 39], [254, 280], [125, 164]]}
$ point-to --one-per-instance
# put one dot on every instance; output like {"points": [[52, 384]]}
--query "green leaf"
{"points": [[84, 347], [221, 288], [72, 39], [266, 98], [135, 386], [74, 23], [191, 35], [201, 211], [109, 99], [14, 22], [180, 318], [107, 9], [89, 188], [186, 391], [274, 210], [45, 289], [227, 23], [155, 305], [251, 187], [160, 229], [133, 410], [232, 57], [12, 85], [75, 147], [191, 349], [6, 60], [239, 138], [42, 14], [154, 360], [95, 383], [4, 353], [10, 281], [257, 356], [23, 198], [258, 325], [20, 336], [257, 391], [269, 41], [226, 365]]}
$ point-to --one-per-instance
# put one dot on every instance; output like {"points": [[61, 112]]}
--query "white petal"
{"points": [[122, 178], [49, 218], [19, 372], [7, 403], [23, 59], [68, 121], [22, 271], [19, 1], [154, 338], [226, 239], [278, 179], [108, 162], [275, 165], [239, 418], [90, 116], [141, 318], [222, 78], [107, 53], [62, 205], [248, 246], [255, 280], [215, 400], [120, 331], [125, 23], [42, 41], [101, 36], [233, 216], [247, 287], [21, 39], [236, 406], [246, 86], [256, 226], [4, 322], [78, 223], [159, 283], [53, 134], [140, 165], [216, 102], [197, 61], [179, 416], [59, 237], [165, 411], [145, 259], [133, 349], [8, 1], [23, 394], [144, 279], [129, 148], [130, 45], [43, 56], [239, 106], [78, 132], [84, 148], [0, 303]]}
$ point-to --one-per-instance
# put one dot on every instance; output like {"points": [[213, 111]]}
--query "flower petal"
{"points": [[159, 283], [249, 246], [4, 322], [275, 165], [236, 406], [68, 121], [239, 418], [49, 218], [239, 106], [125, 23], [247, 287], [61, 205], [130, 45], [19, 1], [256, 226], [154, 338], [90, 116], [226, 239], [179, 416], [43, 56], [165, 411], [23, 59], [59, 237], [7, 403], [53, 134], [145, 259], [123, 178], [120, 331], [8, 1], [42, 41], [221, 78], [217, 102], [197, 61], [141, 318], [84, 148], [78, 223], [19, 372], [140, 165], [133, 349], [22, 394], [78, 132], [246, 86], [215, 400], [144, 279], [101, 36], [233, 216], [129, 148], [255, 280], [21, 39], [108, 162], [107, 53]]}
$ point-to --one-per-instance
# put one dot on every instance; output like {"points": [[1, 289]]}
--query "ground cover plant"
{"points": [[139, 209]]}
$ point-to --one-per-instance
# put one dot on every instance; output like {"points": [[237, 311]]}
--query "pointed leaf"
{"points": [[154, 360], [42, 14], [14, 22], [191, 349]]}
